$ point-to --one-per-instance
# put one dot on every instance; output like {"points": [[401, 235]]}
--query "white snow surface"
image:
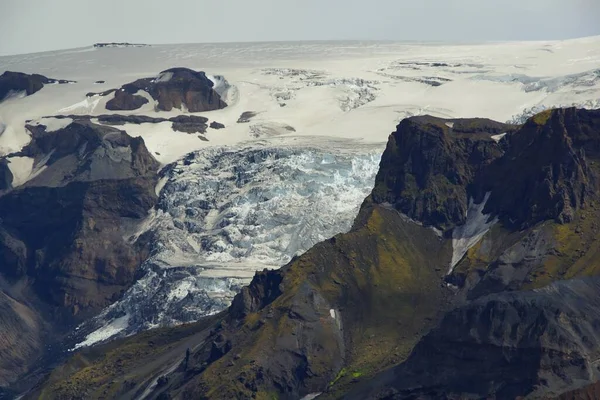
{"points": [[106, 332], [354, 90], [499, 137], [466, 236]]}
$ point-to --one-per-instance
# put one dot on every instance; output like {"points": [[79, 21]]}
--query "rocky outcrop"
{"points": [[119, 44], [216, 125], [173, 88], [545, 168], [125, 101], [432, 168], [189, 124], [430, 164], [65, 247], [86, 152], [18, 82], [180, 123]]}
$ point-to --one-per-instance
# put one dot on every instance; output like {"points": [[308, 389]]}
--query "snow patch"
{"points": [[497, 138], [160, 185], [466, 236], [164, 77], [332, 313], [14, 95], [450, 125], [105, 333], [85, 106], [311, 396], [21, 168]]}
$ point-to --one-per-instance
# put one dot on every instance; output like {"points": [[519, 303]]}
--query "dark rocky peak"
{"points": [[62, 247], [429, 164], [544, 174], [83, 151], [17, 82], [172, 88], [433, 167]]}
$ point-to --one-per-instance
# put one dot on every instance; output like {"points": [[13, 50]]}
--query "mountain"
{"points": [[460, 278], [172, 88], [62, 251], [173, 240]]}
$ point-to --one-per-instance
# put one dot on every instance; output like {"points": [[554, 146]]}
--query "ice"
{"points": [[86, 106], [21, 168], [225, 213], [497, 138], [311, 396], [105, 333], [466, 236]]}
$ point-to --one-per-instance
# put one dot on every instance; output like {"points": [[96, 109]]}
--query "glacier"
{"points": [[226, 212]]}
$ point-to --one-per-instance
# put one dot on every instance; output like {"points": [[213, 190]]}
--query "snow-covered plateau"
{"points": [[303, 132]]}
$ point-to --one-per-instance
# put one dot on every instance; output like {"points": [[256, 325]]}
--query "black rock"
{"points": [[16, 82], [125, 101], [174, 88], [216, 125], [246, 117]]}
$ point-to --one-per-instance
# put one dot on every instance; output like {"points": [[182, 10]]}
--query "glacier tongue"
{"points": [[225, 213]]}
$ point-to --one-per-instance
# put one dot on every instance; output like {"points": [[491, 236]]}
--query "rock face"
{"points": [[65, 251], [84, 152], [6, 177], [125, 101], [173, 88], [18, 82], [369, 314], [432, 168]]}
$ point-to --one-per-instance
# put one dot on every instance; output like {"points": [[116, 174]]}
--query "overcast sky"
{"points": [[39, 25]]}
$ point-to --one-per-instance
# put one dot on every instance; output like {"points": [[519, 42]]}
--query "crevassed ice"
{"points": [[225, 213]]}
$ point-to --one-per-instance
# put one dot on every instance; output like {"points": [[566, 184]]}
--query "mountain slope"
{"points": [[63, 256], [462, 286]]}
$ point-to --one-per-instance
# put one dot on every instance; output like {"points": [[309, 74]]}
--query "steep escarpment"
{"points": [[64, 247], [376, 312], [432, 168], [15, 83], [173, 88], [430, 164]]}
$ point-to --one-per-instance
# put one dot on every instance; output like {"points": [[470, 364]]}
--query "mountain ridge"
{"points": [[335, 319]]}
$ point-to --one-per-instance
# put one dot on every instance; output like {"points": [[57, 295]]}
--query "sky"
{"points": [[40, 25]]}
